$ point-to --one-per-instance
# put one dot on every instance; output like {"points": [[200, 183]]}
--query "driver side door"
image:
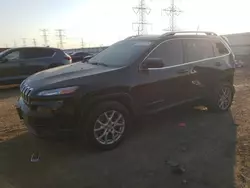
{"points": [[10, 68]]}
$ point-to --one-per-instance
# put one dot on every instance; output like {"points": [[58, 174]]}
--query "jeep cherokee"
{"points": [[138, 75]]}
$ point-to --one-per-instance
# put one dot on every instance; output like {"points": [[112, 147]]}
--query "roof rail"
{"points": [[184, 32], [131, 37]]}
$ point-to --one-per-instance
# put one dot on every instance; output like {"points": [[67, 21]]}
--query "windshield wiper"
{"points": [[98, 63]]}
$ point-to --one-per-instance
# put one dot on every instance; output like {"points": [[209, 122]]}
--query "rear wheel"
{"points": [[222, 98], [107, 125]]}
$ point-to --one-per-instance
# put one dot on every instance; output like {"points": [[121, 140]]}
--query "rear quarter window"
{"points": [[219, 48]]}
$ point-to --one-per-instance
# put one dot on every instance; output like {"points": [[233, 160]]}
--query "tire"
{"points": [[222, 97], [108, 121]]}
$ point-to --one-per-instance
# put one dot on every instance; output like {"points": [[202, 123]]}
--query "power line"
{"points": [[34, 42], [172, 12], [61, 37], [142, 11], [24, 41], [45, 36]]}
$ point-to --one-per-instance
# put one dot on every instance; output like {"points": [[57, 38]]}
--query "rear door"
{"points": [[36, 59], [10, 69], [199, 54]]}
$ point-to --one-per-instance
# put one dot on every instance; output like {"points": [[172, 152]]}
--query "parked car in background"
{"points": [[139, 75], [18, 63], [78, 56]]}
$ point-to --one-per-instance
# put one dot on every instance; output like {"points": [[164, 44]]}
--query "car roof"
{"points": [[180, 34], [37, 48]]}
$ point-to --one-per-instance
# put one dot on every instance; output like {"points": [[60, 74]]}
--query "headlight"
{"points": [[59, 91]]}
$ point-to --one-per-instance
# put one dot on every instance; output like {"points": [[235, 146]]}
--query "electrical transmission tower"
{"points": [[82, 43], [45, 36], [61, 37], [142, 11], [24, 41], [15, 45], [34, 42], [172, 12]]}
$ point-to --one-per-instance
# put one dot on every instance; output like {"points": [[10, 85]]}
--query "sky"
{"points": [[103, 22]]}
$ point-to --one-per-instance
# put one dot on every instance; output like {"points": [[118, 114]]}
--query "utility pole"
{"points": [[24, 41], [45, 36], [142, 11], [34, 42], [61, 37], [172, 12]]}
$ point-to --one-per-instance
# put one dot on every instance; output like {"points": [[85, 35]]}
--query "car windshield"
{"points": [[121, 53]]}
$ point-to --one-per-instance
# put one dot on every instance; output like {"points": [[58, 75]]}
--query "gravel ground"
{"points": [[212, 150]]}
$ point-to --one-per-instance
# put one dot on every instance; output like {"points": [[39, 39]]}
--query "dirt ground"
{"points": [[213, 150]]}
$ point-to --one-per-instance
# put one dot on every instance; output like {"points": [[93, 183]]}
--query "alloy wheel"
{"points": [[225, 98], [109, 127]]}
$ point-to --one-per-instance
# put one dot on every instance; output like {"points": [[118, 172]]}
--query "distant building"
{"points": [[240, 44]]}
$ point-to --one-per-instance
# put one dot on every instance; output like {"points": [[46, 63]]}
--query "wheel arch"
{"points": [[89, 102]]}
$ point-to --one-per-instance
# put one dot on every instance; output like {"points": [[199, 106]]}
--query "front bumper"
{"points": [[48, 118]]}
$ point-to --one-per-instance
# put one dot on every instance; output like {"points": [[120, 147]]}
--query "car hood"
{"points": [[64, 74]]}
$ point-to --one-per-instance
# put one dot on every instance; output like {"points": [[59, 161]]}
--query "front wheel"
{"points": [[107, 125], [222, 98]]}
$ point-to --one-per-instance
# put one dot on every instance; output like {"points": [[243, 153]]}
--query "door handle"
{"points": [[182, 71], [218, 64]]}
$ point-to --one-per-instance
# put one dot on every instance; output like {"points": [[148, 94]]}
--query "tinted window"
{"points": [[219, 48], [171, 52], [121, 53], [197, 49], [36, 53]]}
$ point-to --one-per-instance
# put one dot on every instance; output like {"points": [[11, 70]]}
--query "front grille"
{"points": [[26, 92]]}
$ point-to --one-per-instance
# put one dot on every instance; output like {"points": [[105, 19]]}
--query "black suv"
{"points": [[17, 64], [138, 75]]}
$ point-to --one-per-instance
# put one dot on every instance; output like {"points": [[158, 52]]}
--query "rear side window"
{"points": [[197, 49], [36, 53], [170, 51], [219, 48]]}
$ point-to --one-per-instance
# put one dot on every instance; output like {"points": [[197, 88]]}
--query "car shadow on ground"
{"points": [[200, 142]]}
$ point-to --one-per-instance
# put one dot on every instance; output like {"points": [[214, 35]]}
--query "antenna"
{"points": [[61, 37], [45, 36], [172, 12], [141, 10]]}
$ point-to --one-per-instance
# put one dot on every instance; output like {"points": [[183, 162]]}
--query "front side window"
{"points": [[122, 53], [170, 52], [197, 49]]}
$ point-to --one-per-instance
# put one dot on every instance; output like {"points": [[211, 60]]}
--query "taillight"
{"points": [[68, 58]]}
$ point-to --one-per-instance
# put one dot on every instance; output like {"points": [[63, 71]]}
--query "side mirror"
{"points": [[153, 63]]}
